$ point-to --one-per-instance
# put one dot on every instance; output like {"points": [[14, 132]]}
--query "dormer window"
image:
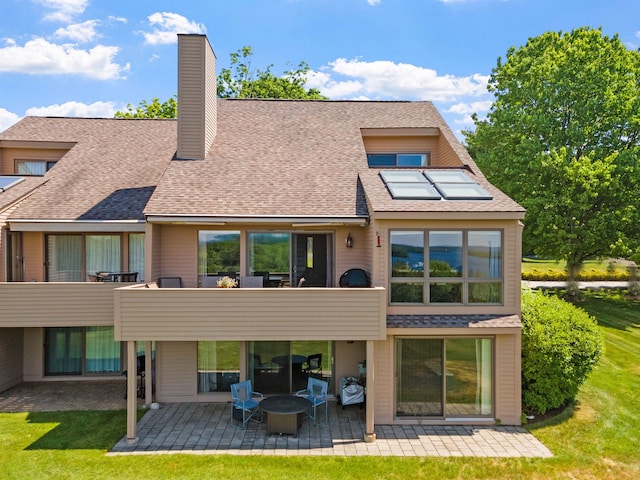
{"points": [[398, 159], [33, 167]]}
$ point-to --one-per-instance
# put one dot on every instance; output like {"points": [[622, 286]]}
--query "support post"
{"points": [[370, 435], [132, 398], [148, 373]]}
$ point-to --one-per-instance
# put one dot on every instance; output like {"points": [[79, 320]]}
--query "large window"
{"points": [[81, 351], [72, 258], [451, 378], [464, 267], [218, 366], [136, 254], [218, 253]]}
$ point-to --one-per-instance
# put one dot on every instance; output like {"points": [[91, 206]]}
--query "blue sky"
{"points": [[92, 57]]}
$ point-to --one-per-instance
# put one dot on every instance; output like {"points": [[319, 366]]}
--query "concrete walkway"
{"points": [[205, 428]]}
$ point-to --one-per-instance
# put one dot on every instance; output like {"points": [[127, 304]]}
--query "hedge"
{"points": [[561, 344]]}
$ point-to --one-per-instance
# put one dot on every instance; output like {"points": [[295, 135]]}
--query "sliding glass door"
{"points": [[284, 367], [449, 378]]}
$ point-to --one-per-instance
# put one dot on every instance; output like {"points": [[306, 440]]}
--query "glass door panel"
{"points": [[419, 380], [284, 367], [310, 260], [469, 385], [63, 351]]}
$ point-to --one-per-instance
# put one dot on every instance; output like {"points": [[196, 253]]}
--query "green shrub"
{"points": [[561, 344]]}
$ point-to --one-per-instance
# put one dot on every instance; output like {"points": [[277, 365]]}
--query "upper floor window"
{"points": [[33, 167], [73, 258], [464, 267], [398, 159]]}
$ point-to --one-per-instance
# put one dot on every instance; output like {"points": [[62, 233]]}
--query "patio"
{"points": [[204, 428]]}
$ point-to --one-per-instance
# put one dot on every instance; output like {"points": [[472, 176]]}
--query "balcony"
{"points": [[190, 314], [56, 304]]}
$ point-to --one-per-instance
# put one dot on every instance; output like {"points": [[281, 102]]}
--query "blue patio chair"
{"points": [[245, 400], [316, 393]]}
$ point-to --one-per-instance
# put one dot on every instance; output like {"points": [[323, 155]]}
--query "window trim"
{"points": [[427, 159], [48, 165], [465, 280]]}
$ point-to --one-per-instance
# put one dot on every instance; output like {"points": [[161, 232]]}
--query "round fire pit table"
{"points": [[284, 413]]}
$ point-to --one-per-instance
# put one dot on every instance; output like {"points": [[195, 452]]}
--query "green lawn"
{"points": [[599, 438]]}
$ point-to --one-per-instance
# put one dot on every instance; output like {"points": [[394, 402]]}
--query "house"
{"points": [[285, 196]]}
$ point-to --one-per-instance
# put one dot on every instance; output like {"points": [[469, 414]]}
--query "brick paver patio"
{"points": [[204, 428]]}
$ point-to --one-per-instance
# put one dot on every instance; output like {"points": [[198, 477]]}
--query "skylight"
{"points": [[6, 182], [432, 185]]}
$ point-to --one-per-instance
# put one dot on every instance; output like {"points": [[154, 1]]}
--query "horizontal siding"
{"points": [[11, 354], [10, 155], [250, 314], [508, 389], [176, 370], [56, 304]]}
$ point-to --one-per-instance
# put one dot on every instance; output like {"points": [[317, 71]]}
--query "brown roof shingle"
{"points": [[109, 174]]}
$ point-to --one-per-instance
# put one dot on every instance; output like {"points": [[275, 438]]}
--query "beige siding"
{"points": [[250, 314], [347, 356], [27, 304], [508, 404], [408, 144], [358, 256], [33, 254], [33, 366], [384, 381], [179, 257], [11, 353], [448, 156], [196, 82], [10, 155], [176, 371]]}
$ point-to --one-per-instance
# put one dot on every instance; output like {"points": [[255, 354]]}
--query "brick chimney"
{"points": [[197, 97]]}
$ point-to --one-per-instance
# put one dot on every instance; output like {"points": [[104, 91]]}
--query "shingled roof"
{"points": [[109, 174], [275, 158], [454, 321]]}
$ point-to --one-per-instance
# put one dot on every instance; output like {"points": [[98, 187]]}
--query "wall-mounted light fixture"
{"points": [[349, 241]]}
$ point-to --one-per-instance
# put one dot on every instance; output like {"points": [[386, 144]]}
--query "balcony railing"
{"points": [[191, 314]]}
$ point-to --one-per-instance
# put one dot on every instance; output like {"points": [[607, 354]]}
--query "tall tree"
{"points": [[562, 138], [241, 81], [153, 109]]}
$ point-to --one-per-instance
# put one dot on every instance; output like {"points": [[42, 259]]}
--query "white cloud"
{"points": [[7, 119], [40, 57], [167, 25], [374, 2], [469, 108], [117, 19], [63, 10], [75, 109], [79, 32], [388, 80]]}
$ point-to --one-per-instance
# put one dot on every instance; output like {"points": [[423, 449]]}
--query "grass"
{"points": [[592, 270], [598, 438]]}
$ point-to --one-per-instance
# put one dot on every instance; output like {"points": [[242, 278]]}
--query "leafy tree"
{"points": [[241, 81], [155, 109], [562, 139]]}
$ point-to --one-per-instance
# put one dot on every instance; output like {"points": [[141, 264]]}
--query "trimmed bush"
{"points": [[561, 344]]}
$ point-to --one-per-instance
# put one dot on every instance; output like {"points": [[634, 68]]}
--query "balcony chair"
{"points": [[245, 400], [209, 281], [313, 366], [316, 393], [170, 282], [251, 282]]}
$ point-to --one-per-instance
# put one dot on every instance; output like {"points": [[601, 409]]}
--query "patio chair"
{"points": [[316, 393], [129, 277], [244, 400], [313, 366]]}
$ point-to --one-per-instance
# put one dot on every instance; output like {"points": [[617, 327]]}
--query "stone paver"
{"points": [[164, 430], [204, 428]]}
